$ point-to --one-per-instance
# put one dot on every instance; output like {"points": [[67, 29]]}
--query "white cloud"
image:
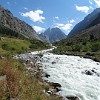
{"points": [[65, 27], [35, 16], [72, 21], [97, 2], [91, 7], [90, 2], [84, 9], [56, 17], [38, 29]]}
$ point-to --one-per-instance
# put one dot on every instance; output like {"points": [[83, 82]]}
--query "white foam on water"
{"points": [[69, 72], [42, 51]]}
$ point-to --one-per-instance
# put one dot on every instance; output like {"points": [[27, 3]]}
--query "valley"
{"points": [[48, 58]]}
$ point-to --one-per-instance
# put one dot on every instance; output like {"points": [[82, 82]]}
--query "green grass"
{"points": [[90, 49], [12, 42], [10, 46], [17, 84]]}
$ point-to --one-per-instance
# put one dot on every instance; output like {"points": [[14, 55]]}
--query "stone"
{"points": [[72, 98], [53, 62], [58, 89], [87, 72], [47, 75], [49, 92], [3, 78], [55, 85], [92, 72]]}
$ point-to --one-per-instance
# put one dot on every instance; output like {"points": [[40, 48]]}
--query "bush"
{"points": [[5, 47], [76, 47], [89, 54], [95, 47]]}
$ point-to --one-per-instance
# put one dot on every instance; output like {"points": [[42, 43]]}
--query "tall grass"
{"points": [[18, 85]]}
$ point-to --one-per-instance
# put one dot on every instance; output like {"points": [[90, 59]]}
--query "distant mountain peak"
{"points": [[54, 34]]}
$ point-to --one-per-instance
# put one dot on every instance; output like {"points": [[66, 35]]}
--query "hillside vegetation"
{"points": [[12, 42], [86, 43], [89, 21], [15, 83], [9, 46]]}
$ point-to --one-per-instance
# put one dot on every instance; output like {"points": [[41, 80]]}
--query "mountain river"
{"points": [[78, 76]]}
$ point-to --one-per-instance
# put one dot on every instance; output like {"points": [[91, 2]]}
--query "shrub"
{"points": [[77, 47], [89, 54], [5, 47], [95, 47]]}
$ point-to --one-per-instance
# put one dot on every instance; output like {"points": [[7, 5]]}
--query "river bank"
{"points": [[91, 55], [34, 70], [68, 76], [21, 78]]}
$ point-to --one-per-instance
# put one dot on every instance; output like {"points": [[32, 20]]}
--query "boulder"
{"points": [[55, 85], [49, 92], [87, 72], [72, 98], [91, 72], [58, 89], [3, 78], [53, 62], [47, 75]]}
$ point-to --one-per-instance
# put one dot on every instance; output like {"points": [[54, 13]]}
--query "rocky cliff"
{"points": [[8, 20]]}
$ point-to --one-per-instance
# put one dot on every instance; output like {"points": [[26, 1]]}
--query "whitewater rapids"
{"points": [[69, 71]]}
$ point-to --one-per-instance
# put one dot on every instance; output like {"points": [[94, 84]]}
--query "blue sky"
{"points": [[42, 14]]}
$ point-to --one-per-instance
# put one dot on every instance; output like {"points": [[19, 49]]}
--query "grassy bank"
{"points": [[88, 49], [10, 46], [16, 84], [92, 55]]}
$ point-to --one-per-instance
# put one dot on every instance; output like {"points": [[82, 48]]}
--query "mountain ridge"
{"points": [[8, 20], [87, 22], [85, 43]]}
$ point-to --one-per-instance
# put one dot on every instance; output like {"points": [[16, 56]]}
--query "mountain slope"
{"points": [[54, 34], [89, 21], [90, 34], [8, 20], [44, 38], [85, 43]]}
